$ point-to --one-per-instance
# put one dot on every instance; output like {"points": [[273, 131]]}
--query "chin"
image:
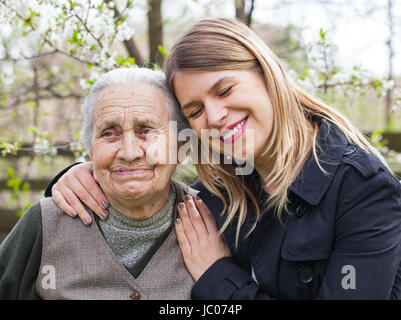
{"points": [[132, 192]]}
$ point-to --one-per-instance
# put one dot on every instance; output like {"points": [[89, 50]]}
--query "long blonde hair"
{"points": [[227, 44]]}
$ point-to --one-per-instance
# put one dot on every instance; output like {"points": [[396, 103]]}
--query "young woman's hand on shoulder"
{"points": [[198, 236]]}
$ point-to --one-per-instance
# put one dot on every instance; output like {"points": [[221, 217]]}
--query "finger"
{"points": [[74, 202], [208, 218], [92, 188], [88, 199], [62, 204], [182, 238], [187, 224], [196, 218]]}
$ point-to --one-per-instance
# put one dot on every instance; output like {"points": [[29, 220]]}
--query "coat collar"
{"points": [[312, 183]]}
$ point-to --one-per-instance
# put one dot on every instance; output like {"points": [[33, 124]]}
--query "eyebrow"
{"points": [[107, 124], [137, 122], [211, 89]]}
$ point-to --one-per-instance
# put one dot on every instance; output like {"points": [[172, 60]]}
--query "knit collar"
{"points": [[161, 217]]}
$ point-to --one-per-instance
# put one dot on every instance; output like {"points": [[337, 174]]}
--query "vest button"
{"points": [[135, 295]]}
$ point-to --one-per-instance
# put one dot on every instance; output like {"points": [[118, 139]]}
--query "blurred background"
{"points": [[52, 51]]}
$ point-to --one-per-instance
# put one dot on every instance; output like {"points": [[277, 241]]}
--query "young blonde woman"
{"points": [[320, 215]]}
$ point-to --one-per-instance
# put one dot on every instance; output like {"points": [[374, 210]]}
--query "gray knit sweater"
{"points": [[134, 241]]}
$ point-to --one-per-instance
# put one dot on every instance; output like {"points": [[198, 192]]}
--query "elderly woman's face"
{"points": [[130, 137]]}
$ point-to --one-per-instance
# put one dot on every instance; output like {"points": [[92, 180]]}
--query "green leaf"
{"points": [[25, 187], [162, 50], [3, 99], [75, 38], [31, 104], [376, 138], [322, 34], [49, 74], [89, 81], [377, 84], [33, 130], [10, 172], [20, 213], [122, 61]]}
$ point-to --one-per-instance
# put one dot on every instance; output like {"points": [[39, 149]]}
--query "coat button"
{"points": [[300, 210], [349, 150], [135, 295], [305, 274]]}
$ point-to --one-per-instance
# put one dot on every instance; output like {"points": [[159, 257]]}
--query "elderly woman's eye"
{"points": [[149, 132], [108, 133]]}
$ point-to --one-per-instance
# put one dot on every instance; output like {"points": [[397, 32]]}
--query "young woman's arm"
{"points": [[75, 186]]}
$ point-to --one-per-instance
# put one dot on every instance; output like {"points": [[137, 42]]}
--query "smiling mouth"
{"points": [[132, 171], [235, 131]]}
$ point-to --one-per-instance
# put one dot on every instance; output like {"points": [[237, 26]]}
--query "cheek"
{"points": [[102, 154], [163, 174], [156, 150], [198, 124]]}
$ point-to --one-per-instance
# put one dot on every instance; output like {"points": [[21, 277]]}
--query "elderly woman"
{"points": [[134, 253]]}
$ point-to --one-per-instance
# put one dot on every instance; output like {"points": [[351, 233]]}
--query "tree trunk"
{"points": [[390, 91], [155, 32], [241, 13]]}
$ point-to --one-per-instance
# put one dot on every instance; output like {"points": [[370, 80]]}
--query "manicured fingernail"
{"points": [[197, 198], [181, 205], [178, 220], [87, 221], [187, 197], [104, 215], [104, 204], [74, 213]]}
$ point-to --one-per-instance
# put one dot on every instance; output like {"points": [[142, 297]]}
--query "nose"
{"points": [[131, 147], [216, 114]]}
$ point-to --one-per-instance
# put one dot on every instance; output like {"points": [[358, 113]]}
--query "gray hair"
{"points": [[124, 76]]}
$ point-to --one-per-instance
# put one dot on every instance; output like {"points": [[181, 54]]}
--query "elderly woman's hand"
{"points": [[76, 185], [197, 234]]}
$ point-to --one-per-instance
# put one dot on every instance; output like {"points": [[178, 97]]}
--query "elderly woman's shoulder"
{"points": [[31, 221], [48, 205], [32, 218]]}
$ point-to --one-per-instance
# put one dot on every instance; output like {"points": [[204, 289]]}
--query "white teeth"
{"points": [[232, 132]]}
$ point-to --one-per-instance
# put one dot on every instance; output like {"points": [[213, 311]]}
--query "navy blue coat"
{"points": [[340, 238]]}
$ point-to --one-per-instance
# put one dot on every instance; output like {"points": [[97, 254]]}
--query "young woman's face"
{"points": [[235, 102]]}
